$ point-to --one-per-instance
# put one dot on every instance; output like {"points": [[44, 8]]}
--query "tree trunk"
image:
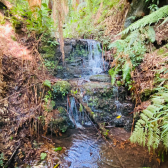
{"points": [[58, 11]]}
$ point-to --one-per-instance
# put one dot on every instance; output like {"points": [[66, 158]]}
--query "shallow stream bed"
{"points": [[86, 149]]}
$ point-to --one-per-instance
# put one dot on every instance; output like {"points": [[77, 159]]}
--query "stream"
{"points": [[83, 145], [83, 149]]}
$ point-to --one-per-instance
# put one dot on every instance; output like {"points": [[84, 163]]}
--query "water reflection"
{"points": [[84, 149]]}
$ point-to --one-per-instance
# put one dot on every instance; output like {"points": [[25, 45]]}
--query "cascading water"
{"points": [[92, 64], [96, 64], [119, 106], [78, 117], [84, 60]]}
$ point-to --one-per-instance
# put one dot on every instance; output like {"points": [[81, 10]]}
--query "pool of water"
{"points": [[83, 149]]}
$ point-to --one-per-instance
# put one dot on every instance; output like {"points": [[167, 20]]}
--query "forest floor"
{"points": [[20, 101]]}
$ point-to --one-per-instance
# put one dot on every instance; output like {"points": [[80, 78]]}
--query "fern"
{"points": [[126, 72], [113, 72], [152, 127], [148, 20], [165, 20], [151, 34], [129, 54]]}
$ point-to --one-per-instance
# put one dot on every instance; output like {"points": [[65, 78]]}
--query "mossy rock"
{"points": [[94, 88], [61, 121], [61, 88], [100, 78]]}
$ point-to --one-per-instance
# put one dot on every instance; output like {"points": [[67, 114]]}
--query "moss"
{"points": [[161, 51], [49, 52], [59, 68], [13, 38], [61, 88], [166, 54], [61, 109]]}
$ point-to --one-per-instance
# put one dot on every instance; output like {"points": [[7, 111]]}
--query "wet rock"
{"points": [[127, 108], [137, 10], [96, 87], [60, 121], [100, 78]]}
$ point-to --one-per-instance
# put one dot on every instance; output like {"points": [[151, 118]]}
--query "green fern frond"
{"points": [[119, 44], [148, 113], [152, 128], [166, 20], [165, 96], [113, 72], [151, 34], [148, 20], [144, 117], [152, 108], [126, 71]]}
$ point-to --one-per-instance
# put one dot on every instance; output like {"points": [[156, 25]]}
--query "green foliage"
{"points": [[1, 159], [48, 96], [47, 83], [152, 127], [13, 38], [113, 72], [52, 43], [126, 72], [57, 149], [74, 92], [61, 88], [148, 20], [154, 5], [38, 21], [130, 53], [2, 19], [43, 156], [80, 22], [80, 108], [165, 20], [49, 104]]}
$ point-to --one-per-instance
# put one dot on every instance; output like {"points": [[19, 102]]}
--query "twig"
{"points": [[19, 91], [8, 162], [46, 138]]}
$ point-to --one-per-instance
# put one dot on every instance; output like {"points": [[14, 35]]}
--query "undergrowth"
{"points": [[82, 22], [129, 54], [152, 127], [38, 21]]}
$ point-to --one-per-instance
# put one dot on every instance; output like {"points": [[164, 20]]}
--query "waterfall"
{"points": [[119, 106], [79, 118], [95, 57], [95, 62]]}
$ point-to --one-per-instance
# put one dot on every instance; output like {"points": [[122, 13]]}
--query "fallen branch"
{"points": [[10, 159]]}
